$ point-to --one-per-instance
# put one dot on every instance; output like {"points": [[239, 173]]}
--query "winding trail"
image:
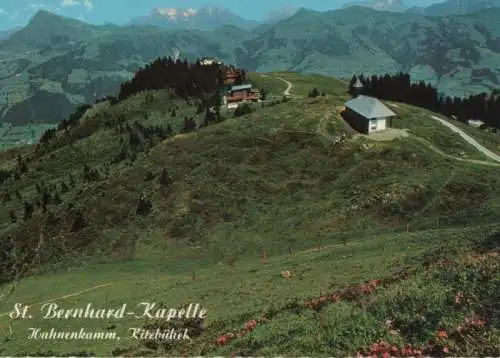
{"points": [[315, 248], [322, 130], [439, 151], [322, 127], [289, 87], [289, 84], [493, 156], [469, 139]]}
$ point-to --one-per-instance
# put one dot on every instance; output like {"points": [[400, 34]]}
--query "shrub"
{"points": [[243, 109]]}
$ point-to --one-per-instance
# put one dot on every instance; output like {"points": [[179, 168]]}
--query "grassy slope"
{"points": [[417, 120], [269, 182], [487, 139]]}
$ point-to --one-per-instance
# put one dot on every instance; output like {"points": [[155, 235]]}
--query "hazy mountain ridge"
{"points": [[280, 14], [381, 5], [336, 43], [446, 8], [205, 18], [47, 30], [5, 34], [65, 62], [454, 7]]}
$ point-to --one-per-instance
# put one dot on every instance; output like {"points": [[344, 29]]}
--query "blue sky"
{"points": [[14, 13]]}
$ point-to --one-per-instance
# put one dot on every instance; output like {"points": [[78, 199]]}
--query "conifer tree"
{"points": [[165, 179], [28, 210], [12, 216]]}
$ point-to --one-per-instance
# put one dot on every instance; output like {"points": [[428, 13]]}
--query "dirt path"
{"points": [[384, 136], [323, 131], [315, 248], [322, 128], [439, 151], [93, 288], [469, 139], [289, 87], [342, 81], [108, 284], [289, 84]]}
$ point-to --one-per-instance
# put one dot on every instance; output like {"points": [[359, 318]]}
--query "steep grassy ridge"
{"points": [[246, 199]]}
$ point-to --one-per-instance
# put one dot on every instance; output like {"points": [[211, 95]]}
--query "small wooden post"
{"points": [[264, 257]]}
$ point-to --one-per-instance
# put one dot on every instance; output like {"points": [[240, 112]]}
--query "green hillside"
{"points": [[65, 62], [228, 208]]}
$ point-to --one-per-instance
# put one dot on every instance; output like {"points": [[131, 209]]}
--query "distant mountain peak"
{"points": [[215, 10], [177, 13], [381, 5], [44, 15], [281, 13], [5, 34], [47, 27], [44, 18], [204, 18], [174, 14], [454, 7], [305, 10], [44, 12]]}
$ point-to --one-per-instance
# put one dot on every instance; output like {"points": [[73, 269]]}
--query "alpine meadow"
{"points": [[324, 184]]}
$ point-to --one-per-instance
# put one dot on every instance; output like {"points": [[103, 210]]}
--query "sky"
{"points": [[16, 13]]}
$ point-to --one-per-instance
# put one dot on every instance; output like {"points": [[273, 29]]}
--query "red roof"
{"points": [[245, 96]]}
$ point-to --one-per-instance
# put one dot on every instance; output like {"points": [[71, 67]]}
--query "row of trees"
{"points": [[485, 107], [184, 78]]}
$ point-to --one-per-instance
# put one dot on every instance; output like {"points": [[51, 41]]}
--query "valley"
{"points": [[55, 64]]}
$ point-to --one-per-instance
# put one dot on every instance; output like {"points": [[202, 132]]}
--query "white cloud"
{"points": [[70, 2], [88, 4], [37, 6], [2, 11]]}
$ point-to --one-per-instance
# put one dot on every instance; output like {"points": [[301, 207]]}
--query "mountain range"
{"points": [[55, 63], [381, 5], [7, 33], [446, 8], [455, 7], [212, 17], [205, 18]]}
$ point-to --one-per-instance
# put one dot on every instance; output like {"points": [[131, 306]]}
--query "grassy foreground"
{"points": [[249, 198]]}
